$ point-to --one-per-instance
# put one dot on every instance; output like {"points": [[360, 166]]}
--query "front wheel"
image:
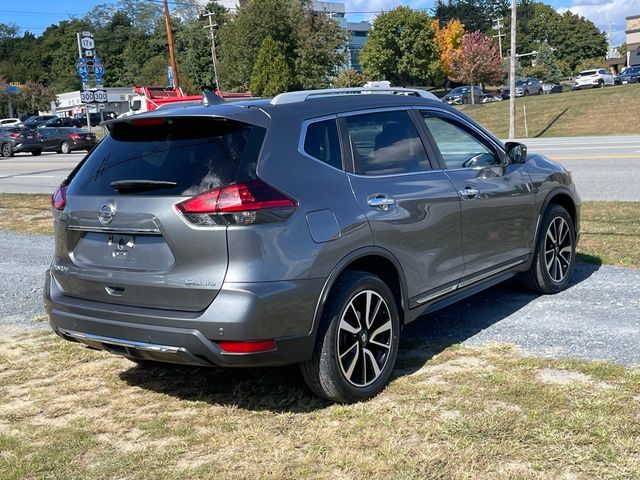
{"points": [[357, 340], [555, 253], [600, 83], [6, 150]]}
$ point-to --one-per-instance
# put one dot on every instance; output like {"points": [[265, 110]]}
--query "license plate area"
{"points": [[123, 251]]}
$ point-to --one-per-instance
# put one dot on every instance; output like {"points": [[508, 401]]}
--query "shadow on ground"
{"points": [[283, 389]]}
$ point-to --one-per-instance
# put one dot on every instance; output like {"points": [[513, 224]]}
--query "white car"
{"points": [[9, 122], [599, 77]]}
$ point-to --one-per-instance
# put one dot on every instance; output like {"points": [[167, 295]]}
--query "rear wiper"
{"points": [[140, 185]]}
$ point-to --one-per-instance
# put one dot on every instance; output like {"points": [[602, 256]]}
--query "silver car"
{"points": [[309, 228]]}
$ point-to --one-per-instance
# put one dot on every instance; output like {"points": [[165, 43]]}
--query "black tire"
{"points": [[540, 278], [6, 150], [36, 153], [600, 83], [65, 148], [526, 93], [324, 373]]}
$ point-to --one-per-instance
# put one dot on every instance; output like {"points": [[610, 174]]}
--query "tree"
{"points": [[402, 48], [479, 61], [546, 67], [474, 14], [271, 74], [448, 38], [349, 78], [309, 42], [588, 64]]}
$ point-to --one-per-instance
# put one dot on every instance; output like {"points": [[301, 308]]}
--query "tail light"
{"points": [[15, 136], [75, 136], [59, 198], [244, 203]]}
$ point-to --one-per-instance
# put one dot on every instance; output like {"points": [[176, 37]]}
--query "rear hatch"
{"points": [[120, 238]]}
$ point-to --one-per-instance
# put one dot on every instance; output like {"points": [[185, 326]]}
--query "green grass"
{"points": [[602, 111], [459, 413]]}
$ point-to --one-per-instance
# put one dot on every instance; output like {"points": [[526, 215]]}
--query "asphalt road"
{"points": [[596, 318], [604, 168]]}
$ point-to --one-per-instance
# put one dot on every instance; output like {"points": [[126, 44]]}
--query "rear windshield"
{"points": [[586, 73], [197, 153]]}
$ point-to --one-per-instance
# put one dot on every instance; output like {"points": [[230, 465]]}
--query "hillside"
{"points": [[603, 111]]}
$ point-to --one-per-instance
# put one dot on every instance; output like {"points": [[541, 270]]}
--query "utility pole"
{"points": [[172, 55], [498, 26], [214, 59], [512, 74]]}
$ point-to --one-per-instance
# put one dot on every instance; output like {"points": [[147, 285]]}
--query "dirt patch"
{"points": [[554, 376]]}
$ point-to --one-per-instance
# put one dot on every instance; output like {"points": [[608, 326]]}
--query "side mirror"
{"points": [[517, 152]]}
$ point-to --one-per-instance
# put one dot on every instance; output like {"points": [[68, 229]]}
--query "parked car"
{"points": [[629, 75], [488, 98], [593, 78], [94, 118], [61, 122], [67, 139], [309, 228], [524, 87], [462, 95], [34, 121], [19, 139], [548, 88], [9, 122]]}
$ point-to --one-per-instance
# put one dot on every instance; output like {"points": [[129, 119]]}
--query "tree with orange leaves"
{"points": [[449, 40]]}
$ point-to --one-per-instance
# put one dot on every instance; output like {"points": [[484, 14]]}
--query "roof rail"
{"points": [[303, 95]]}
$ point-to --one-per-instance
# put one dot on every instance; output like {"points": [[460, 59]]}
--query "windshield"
{"points": [[631, 71], [459, 90], [519, 83], [587, 73]]}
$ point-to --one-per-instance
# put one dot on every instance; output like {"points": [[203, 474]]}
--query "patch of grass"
{"points": [[610, 233], [464, 413], [585, 112], [26, 213]]}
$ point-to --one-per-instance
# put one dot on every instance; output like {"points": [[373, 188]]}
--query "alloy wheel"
{"points": [[365, 336], [558, 250], [6, 150]]}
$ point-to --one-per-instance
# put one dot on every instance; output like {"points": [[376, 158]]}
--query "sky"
{"points": [[36, 15]]}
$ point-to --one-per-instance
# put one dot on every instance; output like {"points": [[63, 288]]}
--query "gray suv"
{"points": [[307, 229]]}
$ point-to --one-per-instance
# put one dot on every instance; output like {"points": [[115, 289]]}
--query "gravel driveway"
{"points": [[597, 318]]}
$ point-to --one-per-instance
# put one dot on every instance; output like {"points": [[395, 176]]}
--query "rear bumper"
{"points": [[246, 312]]}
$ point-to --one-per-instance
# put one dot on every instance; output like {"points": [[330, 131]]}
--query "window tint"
{"points": [[459, 149], [386, 143], [196, 153], [321, 142]]}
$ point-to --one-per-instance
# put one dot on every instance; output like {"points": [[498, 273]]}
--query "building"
{"points": [[633, 40], [69, 104]]}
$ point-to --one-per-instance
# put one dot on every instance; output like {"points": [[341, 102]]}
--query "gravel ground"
{"points": [[598, 317]]}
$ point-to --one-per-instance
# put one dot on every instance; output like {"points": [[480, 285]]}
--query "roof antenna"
{"points": [[211, 98]]}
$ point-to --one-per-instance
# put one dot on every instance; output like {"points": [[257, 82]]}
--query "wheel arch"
{"points": [[558, 196], [375, 260]]}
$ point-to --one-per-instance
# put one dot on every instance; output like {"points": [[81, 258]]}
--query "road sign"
{"points": [[170, 76], [88, 53], [86, 96], [101, 106], [82, 70], [100, 96], [87, 43]]}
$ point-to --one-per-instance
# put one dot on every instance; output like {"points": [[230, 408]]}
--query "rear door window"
{"points": [[321, 141], [197, 154], [386, 143]]}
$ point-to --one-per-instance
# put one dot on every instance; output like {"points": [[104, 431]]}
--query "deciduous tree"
{"points": [[449, 38], [479, 61], [349, 78], [402, 49]]}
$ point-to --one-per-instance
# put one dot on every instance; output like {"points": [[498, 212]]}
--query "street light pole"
{"points": [[214, 59], [512, 74]]}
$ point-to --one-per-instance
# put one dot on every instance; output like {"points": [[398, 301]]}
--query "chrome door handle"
{"points": [[381, 201], [469, 192]]}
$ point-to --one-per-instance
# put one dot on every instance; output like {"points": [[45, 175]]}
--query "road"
{"points": [[604, 168]]}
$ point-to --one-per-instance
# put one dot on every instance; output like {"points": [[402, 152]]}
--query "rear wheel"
{"points": [[600, 83], [357, 340], [554, 259], [36, 153], [6, 150], [65, 148]]}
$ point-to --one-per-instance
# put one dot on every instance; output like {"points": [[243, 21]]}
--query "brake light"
{"points": [[75, 136], [14, 135], [248, 347], [240, 203], [146, 122], [59, 198]]}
